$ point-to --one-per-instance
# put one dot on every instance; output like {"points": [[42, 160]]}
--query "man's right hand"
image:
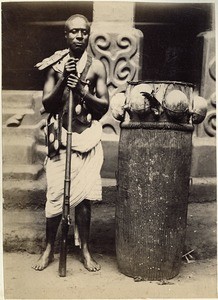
{"points": [[70, 67]]}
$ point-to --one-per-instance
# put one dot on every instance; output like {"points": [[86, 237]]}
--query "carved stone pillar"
{"points": [[120, 53], [116, 42], [204, 143], [208, 83]]}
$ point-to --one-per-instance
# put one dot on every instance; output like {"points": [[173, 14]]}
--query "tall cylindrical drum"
{"points": [[151, 208]]}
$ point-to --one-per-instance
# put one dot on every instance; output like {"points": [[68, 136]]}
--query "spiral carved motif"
{"points": [[212, 69], [210, 121], [119, 54], [213, 99]]}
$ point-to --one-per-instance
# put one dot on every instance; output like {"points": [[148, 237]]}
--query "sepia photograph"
{"points": [[108, 150]]}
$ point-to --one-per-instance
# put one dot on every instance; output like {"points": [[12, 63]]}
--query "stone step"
{"points": [[16, 172], [17, 99], [21, 103], [15, 151], [203, 157], [23, 149], [11, 116], [32, 193], [25, 131], [203, 189]]}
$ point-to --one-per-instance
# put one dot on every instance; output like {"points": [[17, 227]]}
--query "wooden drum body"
{"points": [[153, 187]]}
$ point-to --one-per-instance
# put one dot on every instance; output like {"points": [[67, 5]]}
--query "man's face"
{"points": [[77, 35]]}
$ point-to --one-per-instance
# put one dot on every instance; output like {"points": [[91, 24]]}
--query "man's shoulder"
{"points": [[96, 61], [52, 60], [97, 65]]}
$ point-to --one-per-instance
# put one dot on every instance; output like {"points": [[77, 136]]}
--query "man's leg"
{"points": [[48, 255], [83, 219]]}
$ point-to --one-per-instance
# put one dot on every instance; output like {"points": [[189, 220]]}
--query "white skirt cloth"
{"points": [[86, 163]]}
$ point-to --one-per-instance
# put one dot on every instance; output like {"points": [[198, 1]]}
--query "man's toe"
{"points": [[34, 267]]}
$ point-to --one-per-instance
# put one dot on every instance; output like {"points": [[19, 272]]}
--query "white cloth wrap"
{"points": [[86, 165]]}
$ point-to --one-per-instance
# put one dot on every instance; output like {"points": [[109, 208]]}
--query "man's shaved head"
{"points": [[75, 17]]}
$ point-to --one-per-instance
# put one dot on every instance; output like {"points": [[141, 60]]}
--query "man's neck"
{"points": [[76, 54]]}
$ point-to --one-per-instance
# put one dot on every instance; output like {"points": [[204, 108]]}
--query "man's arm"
{"points": [[100, 102], [53, 92]]}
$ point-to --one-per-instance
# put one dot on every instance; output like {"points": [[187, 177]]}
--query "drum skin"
{"points": [[151, 208]]}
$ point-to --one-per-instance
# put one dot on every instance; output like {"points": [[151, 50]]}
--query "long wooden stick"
{"points": [[66, 201]]}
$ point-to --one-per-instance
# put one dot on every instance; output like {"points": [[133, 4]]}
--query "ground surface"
{"points": [[195, 280]]}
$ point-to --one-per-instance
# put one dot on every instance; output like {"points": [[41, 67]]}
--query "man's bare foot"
{"points": [[90, 264], [44, 260]]}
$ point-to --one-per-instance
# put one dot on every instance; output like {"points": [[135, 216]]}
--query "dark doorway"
{"points": [[170, 48]]}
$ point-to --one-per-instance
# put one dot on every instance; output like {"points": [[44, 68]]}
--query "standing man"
{"points": [[74, 69]]}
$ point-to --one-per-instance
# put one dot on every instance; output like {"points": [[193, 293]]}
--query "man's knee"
{"points": [[83, 208], [54, 221]]}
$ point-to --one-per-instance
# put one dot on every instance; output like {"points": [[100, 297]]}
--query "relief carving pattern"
{"points": [[119, 54], [210, 121]]}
